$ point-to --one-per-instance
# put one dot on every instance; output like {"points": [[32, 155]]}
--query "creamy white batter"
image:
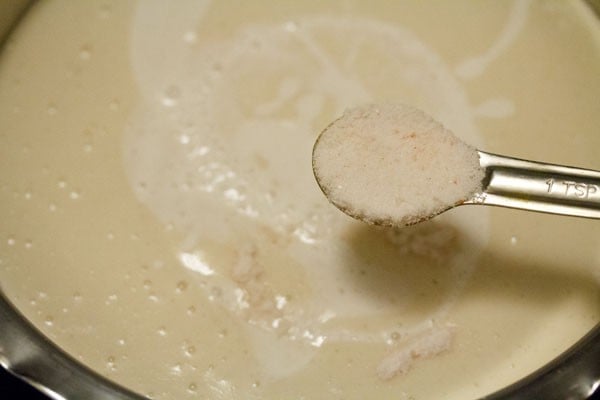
{"points": [[162, 224]]}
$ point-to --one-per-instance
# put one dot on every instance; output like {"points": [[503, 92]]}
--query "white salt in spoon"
{"points": [[394, 165]]}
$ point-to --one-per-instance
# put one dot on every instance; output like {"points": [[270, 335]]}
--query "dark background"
{"points": [[13, 388]]}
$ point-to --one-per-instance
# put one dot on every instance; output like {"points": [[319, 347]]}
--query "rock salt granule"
{"points": [[394, 165]]}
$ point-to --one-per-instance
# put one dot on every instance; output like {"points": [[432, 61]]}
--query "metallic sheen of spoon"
{"points": [[537, 186]]}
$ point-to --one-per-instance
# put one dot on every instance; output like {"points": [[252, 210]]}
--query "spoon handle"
{"points": [[537, 186]]}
